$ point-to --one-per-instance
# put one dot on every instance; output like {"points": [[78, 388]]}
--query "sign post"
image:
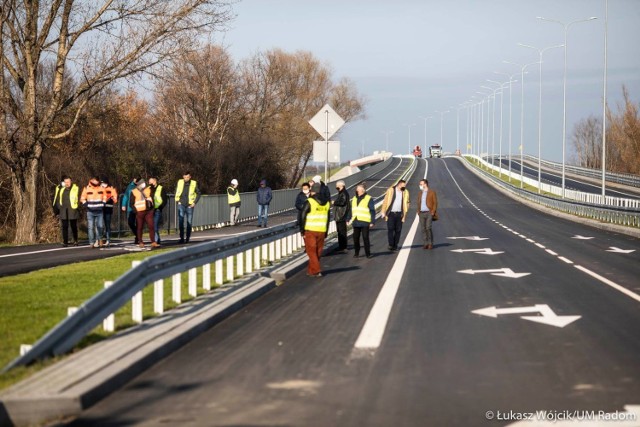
{"points": [[326, 122]]}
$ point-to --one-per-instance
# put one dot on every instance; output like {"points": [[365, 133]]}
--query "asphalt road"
{"points": [[23, 259], [295, 356], [555, 178]]}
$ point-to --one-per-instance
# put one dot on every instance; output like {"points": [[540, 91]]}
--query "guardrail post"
{"points": [[193, 282], [256, 258], [71, 311], [158, 296], [266, 248], [249, 265], [230, 268], [274, 251], [289, 245], [25, 348], [136, 301], [108, 324], [240, 263], [176, 288], [278, 249], [219, 268], [206, 276]]}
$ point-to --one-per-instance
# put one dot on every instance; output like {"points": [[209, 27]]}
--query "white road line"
{"points": [[373, 330], [541, 246], [568, 261], [43, 251], [608, 282], [552, 252]]}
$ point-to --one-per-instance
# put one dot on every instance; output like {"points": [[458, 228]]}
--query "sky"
{"points": [[411, 58]]}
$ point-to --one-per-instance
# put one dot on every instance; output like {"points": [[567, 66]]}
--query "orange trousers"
{"points": [[314, 242]]}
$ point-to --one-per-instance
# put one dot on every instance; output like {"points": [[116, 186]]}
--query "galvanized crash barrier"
{"points": [[629, 217], [242, 254]]}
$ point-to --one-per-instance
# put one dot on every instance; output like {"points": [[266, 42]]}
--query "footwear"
{"points": [[314, 275], [356, 255], [369, 256], [429, 246], [425, 247], [97, 244], [155, 245], [390, 248], [141, 245], [64, 245], [107, 243], [135, 242], [186, 241], [259, 225], [181, 241], [75, 243]]}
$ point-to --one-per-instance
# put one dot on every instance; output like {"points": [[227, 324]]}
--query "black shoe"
{"points": [[181, 241], [356, 256], [369, 256], [64, 245], [75, 243], [186, 241], [135, 242], [390, 248]]}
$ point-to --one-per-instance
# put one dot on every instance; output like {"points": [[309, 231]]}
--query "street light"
{"points": [[540, 52], [564, 88], [604, 101], [522, 73], [424, 151], [500, 87], [511, 81], [482, 122], [387, 133], [442, 113], [409, 127]]}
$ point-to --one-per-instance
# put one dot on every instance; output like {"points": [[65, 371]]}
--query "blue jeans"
{"points": [[182, 212], [263, 213], [157, 216], [95, 222], [107, 214]]}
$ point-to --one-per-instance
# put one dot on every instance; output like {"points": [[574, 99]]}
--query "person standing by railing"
{"points": [[301, 199], [160, 199], [65, 206], [187, 200], [314, 224], [233, 198], [264, 197]]}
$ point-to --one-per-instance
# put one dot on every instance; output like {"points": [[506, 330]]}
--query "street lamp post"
{"points": [[500, 88], [604, 102], [424, 149], [564, 89], [442, 113], [409, 126], [540, 53], [387, 133], [511, 81]]}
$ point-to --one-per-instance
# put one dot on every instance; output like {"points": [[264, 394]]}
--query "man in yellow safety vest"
{"points": [[160, 199], [187, 195], [314, 225], [65, 206]]}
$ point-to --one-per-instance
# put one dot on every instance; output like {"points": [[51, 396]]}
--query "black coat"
{"points": [[301, 199], [325, 194], [342, 206]]}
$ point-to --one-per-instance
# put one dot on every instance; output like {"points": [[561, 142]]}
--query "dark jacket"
{"points": [[62, 204], [301, 199], [264, 195], [372, 210], [342, 206], [305, 211], [126, 195], [325, 194]]}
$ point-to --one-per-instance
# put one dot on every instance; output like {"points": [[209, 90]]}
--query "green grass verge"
{"points": [[505, 178], [33, 303]]}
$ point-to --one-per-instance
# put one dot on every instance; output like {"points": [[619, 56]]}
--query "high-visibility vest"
{"points": [[235, 198], [95, 197], [192, 191], [73, 195], [360, 211], [141, 197], [157, 197], [112, 196], [317, 217]]}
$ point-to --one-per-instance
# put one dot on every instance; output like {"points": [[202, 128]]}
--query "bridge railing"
{"points": [[235, 256], [578, 196]]}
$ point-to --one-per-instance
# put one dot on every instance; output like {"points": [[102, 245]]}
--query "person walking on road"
{"points": [[264, 197], [314, 224], [394, 211], [107, 213], [187, 200], [325, 194], [128, 210], [142, 202], [160, 200], [342, 214], [93, 198], [363, 216], [233, 196], [65, 206], [427, 212], [301, 199]]}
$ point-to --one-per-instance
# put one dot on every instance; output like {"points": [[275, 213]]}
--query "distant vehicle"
{"points": [[417, 151], [435, 151]]}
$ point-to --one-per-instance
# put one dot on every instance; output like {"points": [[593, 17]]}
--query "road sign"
{"points": [[320, 151], [326, 122], [547, 315], [483, 251], [503, 272]]}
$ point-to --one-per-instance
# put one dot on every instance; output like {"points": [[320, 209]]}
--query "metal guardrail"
{"points": [[64, 336], [576, 196], [620, 216]]}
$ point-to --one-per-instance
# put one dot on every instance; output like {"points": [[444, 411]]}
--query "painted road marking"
{"points": [[469, 238], [620, 251], [568, 261], [483, 251], [608, 282], [547, 315], [371, 334], [503, 272], [579, 237]]}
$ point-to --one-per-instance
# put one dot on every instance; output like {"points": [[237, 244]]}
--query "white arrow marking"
{"points": [[469, 238], [547, 316], [503, 272], [483, 251], [620, 251], [630, 417], [579, 237]]}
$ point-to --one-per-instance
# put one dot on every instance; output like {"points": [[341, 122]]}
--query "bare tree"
{"points": [[624, 136], [97, 43]]}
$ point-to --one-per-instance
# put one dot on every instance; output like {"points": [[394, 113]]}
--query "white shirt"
{"points": [[397, 203]]}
